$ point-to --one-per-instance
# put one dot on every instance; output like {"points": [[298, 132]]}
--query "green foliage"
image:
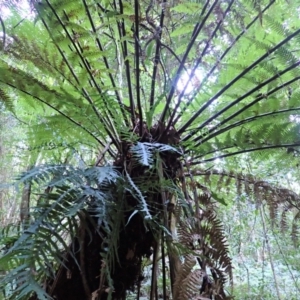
{"points": [[145, 152], [254, 278], [243, 101], [103, 79], [41, 244]]}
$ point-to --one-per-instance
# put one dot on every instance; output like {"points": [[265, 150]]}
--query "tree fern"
{"points": [[104, 77]]}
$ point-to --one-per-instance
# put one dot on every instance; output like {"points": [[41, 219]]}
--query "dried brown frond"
{"points": [[207, 178], [283, 221], [273, 207], [220, 182], [204, 239], [182, 274], [238, 186], [228, 181], [204, 198], [258, 193], [216, 249], [184, 235], [191, 285], [279, 200], [247, 185], [296, 229]]}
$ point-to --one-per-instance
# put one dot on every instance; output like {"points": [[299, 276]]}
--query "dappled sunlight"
{"points": [[22, 7], [188, 82]]}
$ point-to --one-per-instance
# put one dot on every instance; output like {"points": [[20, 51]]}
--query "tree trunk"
{"points": [[82, 274]]}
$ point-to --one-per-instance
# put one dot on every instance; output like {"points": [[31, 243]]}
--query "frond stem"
{"points": [[196, 32], [158, 33], [60, 51], [137, 64], [244, 121], [244, 151], [90, 74], [105, 60], [3, 33], [163, 266], [257, 99], [198, 61], [84, 61], [227, 86], [61, 113], [127, 65], [220, 59], [85, 95], [173, 53]]}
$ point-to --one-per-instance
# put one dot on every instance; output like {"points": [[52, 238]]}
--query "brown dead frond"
{"points": [[185, 270], [296, 229], [280, 201], [207, 265]]}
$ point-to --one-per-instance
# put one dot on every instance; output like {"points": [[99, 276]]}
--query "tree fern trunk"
{"points": [[80, 275]]}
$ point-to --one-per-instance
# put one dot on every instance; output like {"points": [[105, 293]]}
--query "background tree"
{"points": [[140, 99]]}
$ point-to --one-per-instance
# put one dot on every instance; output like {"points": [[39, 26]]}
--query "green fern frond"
{"points": [[135, 192], [145, 151], [6, 99], [105, 77], [46, 239]]}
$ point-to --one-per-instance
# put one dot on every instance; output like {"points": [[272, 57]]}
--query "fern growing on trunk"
{"points": [[108, 76]]}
